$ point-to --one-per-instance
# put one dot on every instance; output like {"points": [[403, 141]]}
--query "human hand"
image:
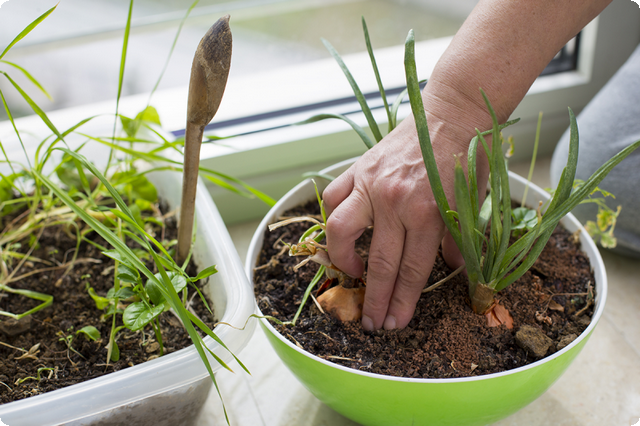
{"points": [[388, 187]]}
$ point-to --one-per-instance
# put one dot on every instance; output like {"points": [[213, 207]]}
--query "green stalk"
{"points": [[374, 65], [356, 90], [533, 158], [123, 59]]}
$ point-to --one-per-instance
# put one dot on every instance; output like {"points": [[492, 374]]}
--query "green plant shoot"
{"points": [[503, 262]]}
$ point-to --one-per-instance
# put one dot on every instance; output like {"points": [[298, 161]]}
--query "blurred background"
{"points": [[75, 52]]}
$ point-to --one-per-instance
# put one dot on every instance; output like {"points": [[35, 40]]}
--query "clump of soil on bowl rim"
{"points": [[35, 341], [445, 339]]}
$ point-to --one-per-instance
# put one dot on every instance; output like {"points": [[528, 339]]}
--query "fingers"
{"points": [[420, 249], [451, 253], [338, 190], [400, 261], [385, 255], [349, 215]]}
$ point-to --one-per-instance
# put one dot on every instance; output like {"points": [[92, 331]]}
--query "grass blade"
{"points": [[359, 130], [357, 92], [374, 65], [27, 30], [466, 218], [123, 59], [34, 107], [536, 142], [30, 77]]}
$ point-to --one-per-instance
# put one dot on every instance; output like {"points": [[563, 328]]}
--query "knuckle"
{"points": [[376, 308], [393, 192], [382, 267], [412, 273]]}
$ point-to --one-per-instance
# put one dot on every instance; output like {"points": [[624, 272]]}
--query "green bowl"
{"points": [[373, 399]]}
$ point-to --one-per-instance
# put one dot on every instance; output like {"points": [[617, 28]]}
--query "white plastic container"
{"points": [[172, 389]]}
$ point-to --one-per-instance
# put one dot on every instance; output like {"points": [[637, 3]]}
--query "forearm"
{"points": [[502, 47]]}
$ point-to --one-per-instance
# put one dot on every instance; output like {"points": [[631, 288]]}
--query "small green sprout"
{"points": [[39, 377], [67, 339], [524, 220], [603, 228], [46, 300], [90, 332]]}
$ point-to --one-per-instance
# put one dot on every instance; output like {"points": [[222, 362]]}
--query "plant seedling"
{"points": [[343, 301], [492, 264], [39, 377]]}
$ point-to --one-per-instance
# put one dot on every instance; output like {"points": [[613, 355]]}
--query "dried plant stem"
{"points": [[444, 280]]}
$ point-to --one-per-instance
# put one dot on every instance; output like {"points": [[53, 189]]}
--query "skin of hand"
{"points": [[502, 47]]}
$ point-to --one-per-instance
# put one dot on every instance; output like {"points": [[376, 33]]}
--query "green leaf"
{"points": [[417, 108], [117, 255], [467, 226], [357, 92], [124, 293], [137, 315], [206, 272], [27, 30], [29, 77], [131, 126], [179, 282], [608, 241], [128, 274], [150, 115], [359, 130], [605, 218], [524, 218], [67, 173], [154, 292], [90, 331], [115, 352], [374, 65], [101, 302], [145, 205], [39, 112], [135, 185]]}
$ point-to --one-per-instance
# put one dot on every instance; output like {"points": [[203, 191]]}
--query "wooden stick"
{"points": [[209, 73]]}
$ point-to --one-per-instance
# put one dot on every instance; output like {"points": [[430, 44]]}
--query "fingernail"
{"points": [[390, 322], [367, 323]]}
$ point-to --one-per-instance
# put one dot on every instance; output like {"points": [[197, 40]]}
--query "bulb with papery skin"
{"points": [[343, 304]]}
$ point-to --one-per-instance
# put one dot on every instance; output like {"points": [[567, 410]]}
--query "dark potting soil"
{"points": [[37, 341], [551, 306]]}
